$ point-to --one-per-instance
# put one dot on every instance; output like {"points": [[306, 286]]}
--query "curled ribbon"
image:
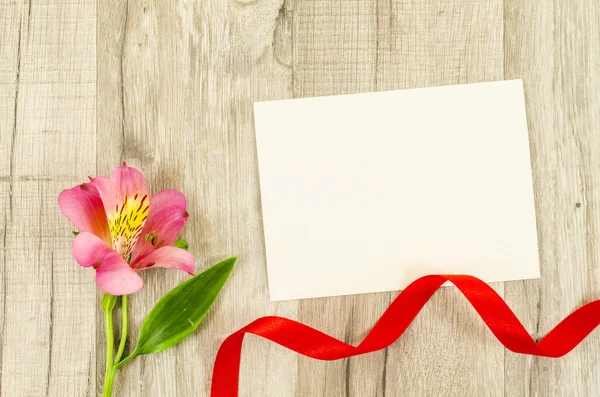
{"points": [[489, 305]]}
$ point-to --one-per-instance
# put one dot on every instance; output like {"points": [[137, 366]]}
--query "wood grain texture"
{"points": [[174, 84], [554, 47], [47, 121]]}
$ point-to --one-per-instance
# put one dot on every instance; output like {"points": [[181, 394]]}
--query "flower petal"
{"points": [[165, 220], [129, 181], [118, 278], [109, 193], [125, 198], [169, 257], [113, 274], [90, 250], [83, 206]]}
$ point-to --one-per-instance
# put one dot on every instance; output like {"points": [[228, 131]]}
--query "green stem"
{"points": [[123, 329], [108, 383], [109, 374], [108, 303]]}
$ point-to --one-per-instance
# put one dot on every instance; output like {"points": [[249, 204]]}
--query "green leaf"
{"points": [[75, 233], [180, 311], [181, 244]]}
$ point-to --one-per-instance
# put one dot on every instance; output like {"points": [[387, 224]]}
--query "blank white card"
{"points": [[367, 192]]}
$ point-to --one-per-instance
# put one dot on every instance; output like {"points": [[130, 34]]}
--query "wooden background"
{"points": [[168, 86]]}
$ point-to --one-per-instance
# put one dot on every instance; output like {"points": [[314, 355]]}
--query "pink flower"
{"points": [[123, 230]]}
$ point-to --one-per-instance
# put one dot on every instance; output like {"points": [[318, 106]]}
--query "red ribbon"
{"points": [[489, 305]]}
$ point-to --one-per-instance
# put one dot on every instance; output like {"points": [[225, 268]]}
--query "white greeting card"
{"points": [[367, 192]]}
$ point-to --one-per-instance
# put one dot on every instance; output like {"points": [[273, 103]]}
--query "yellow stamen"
{"points": [[126, 223]]}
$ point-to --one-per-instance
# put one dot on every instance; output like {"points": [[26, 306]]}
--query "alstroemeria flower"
{"points": [[123, 230]]}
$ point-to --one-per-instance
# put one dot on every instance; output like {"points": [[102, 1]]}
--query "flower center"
{"points": [[126, 223]]}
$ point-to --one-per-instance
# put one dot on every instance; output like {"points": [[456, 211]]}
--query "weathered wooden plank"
{"points": [[48, 342], [335, 47], [554, 47], [4, 222], [177, 84], [10, 31], [48, 142]]}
